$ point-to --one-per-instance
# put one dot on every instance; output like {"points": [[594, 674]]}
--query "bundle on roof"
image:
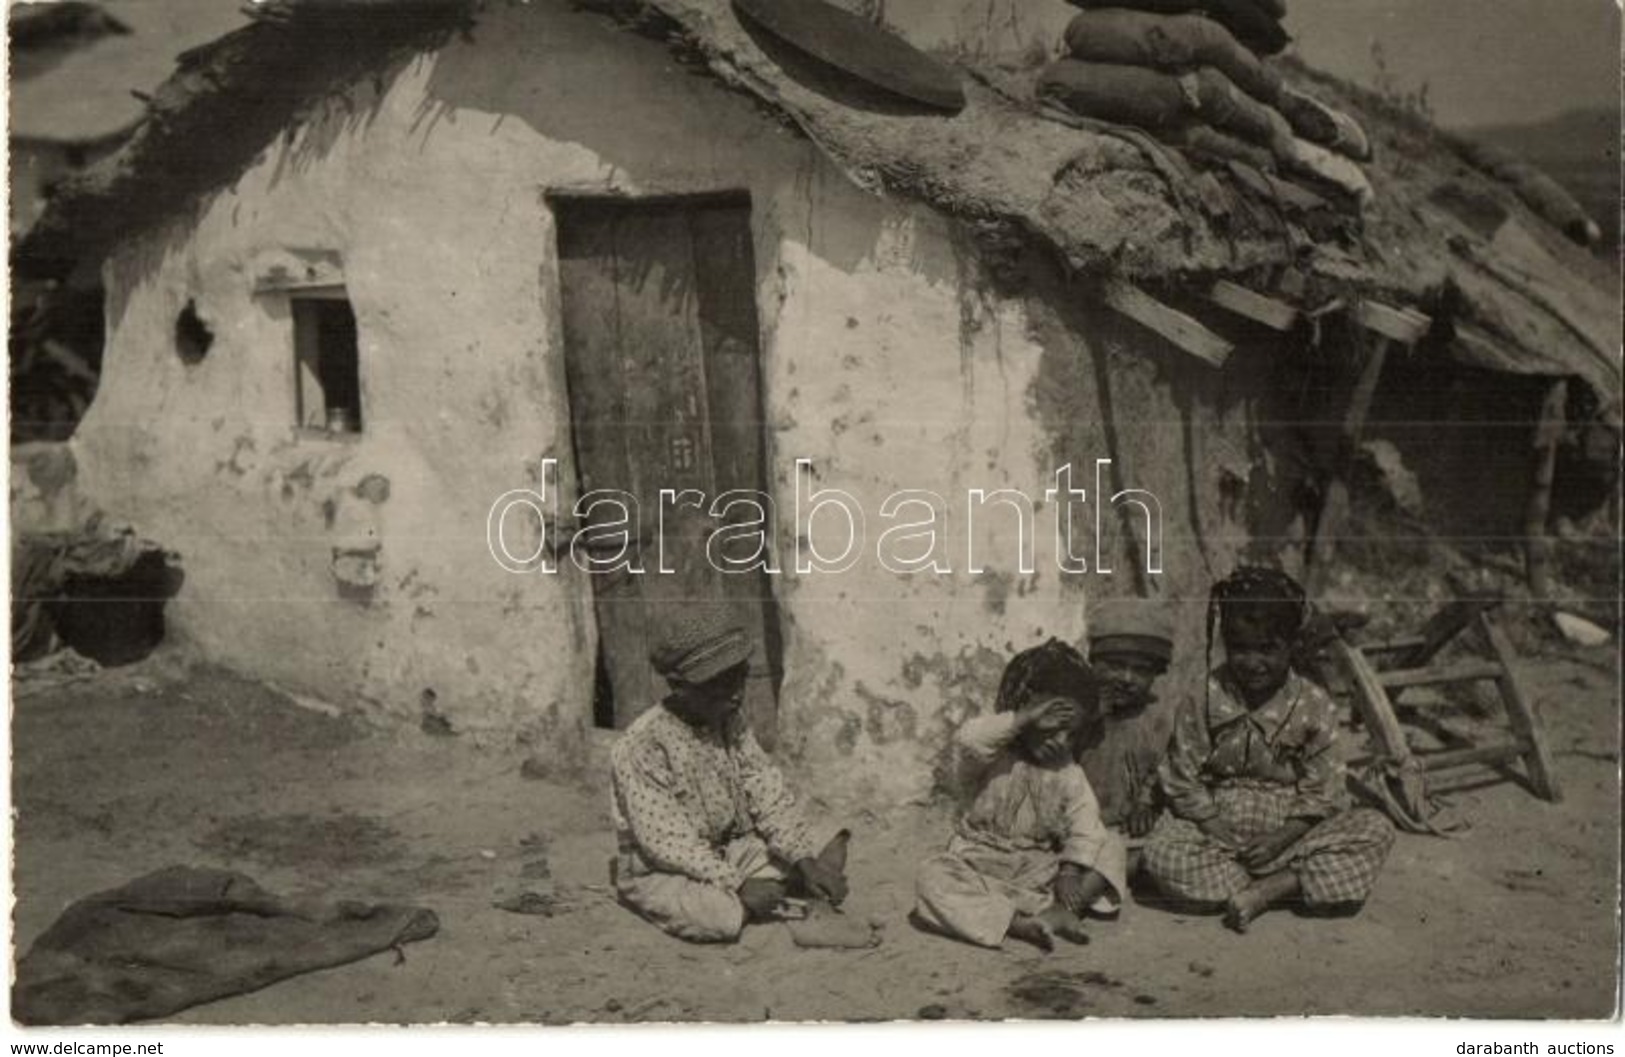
{"points": [[1170, 105], [1255, 23], [1169, 42], [1177, 69], [1542, 194], [1109, 200]]}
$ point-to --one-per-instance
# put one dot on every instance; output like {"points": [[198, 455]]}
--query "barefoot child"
{"points": [[710, 836], [1030, 855], [1255, 785]]}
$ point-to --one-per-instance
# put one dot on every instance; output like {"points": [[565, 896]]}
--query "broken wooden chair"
{"points": [[1379, 674]]}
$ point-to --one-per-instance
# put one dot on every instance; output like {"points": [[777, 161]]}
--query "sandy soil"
{"points": [[158, 764]]}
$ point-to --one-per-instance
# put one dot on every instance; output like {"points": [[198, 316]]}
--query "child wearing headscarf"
{"points": [[1030, 855], [1258, 809]]}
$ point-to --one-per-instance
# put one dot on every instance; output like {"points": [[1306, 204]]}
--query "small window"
{"points": [[329, 367]]}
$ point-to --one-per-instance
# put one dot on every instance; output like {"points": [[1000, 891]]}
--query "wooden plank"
{"points": [[668, 442], [1268, 311], [1445, 673], [1440, 629], [725, 276], [1537, 543], [595, 376], [1372, 701], [1522, 716], [1498, 752], [1177, 327], [310, 409], [1403, 325], [1406, 642], [1334, 512]]}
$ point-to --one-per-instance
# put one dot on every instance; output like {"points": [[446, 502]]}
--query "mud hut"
{"points": [[371, 267]]}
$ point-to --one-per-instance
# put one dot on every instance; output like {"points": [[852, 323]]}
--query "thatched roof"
{"points": [[85, 92], [1108, 202]]}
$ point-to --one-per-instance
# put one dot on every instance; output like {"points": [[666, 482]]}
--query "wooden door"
{"points": [[664, 379]]}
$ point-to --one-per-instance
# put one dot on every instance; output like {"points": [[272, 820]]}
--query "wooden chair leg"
{"points": [[1521, 716], [1376, 712]]}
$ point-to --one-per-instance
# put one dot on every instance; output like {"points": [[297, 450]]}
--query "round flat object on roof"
{"points": [[858, 47]]}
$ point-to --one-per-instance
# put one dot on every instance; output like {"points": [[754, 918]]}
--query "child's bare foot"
{"points": [[1241, 908], [1033, 930], [1063, 923]]}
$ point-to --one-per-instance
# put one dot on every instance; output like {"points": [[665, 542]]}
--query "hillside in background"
{"points": [[1579, 149]]}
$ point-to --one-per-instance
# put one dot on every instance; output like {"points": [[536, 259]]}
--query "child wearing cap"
{"points": [[1259, 812], [1131, 641], [1030, 855], [709, 835]]}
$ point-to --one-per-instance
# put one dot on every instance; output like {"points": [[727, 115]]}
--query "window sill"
{"points": [[315, 434]]}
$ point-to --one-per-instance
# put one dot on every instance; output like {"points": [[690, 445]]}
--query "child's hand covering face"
{"points": [[1055, 713], [1046, 730]]}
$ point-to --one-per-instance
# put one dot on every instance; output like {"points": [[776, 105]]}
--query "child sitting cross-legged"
{"points": [[1254, 779], [1030, 856]]}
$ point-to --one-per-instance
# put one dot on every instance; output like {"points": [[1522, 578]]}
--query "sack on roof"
{"points": [[1539, 192], [1169, 42], [1229, 109], [1157, 101], [1249, 21], [1129, 95], [1310, 160], [1320, 124], [1209, 142]]}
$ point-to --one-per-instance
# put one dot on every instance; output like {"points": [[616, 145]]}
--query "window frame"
{"points": [[303, 305]]}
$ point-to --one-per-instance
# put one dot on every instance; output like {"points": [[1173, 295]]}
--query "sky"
{"points": [[1483, 61]]}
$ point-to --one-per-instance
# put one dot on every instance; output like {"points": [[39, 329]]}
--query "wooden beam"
{"points": [[1444, 673], [1272, 313], [1537, 544], [1377, 649], [1403, 325], [1335, 510], [1498, 752], [1521, 716], [1126, 298], [1371, 700]]}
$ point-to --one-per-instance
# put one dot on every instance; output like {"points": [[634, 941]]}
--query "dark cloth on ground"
{"points": [[184, 935], [1169, 42], [1249, 21]]}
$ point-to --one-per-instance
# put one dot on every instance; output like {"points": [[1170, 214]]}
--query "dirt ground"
{"points": [[163, 763]]}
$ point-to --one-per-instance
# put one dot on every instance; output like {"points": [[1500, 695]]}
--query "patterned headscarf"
{"points": [[1054, 668], [1259, 597]]}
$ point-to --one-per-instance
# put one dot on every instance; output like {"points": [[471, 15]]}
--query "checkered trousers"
{"points": [[1337, 861]]}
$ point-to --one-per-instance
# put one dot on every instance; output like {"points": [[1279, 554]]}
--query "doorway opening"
{"points": [[663, 373]]}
